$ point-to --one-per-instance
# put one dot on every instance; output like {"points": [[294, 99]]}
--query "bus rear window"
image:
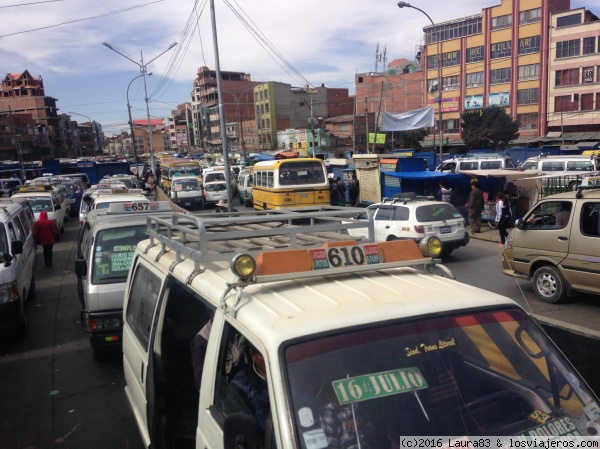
{"points": [[301, 173]]}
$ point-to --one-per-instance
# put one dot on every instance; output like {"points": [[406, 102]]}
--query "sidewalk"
{"points": [[487, 233]]}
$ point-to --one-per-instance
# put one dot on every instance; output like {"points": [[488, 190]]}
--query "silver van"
{"points": [[475, 162], [17, 254], [106, 242]]}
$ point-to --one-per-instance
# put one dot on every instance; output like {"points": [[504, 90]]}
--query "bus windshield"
{"points": [[480, 373], [300, 173]]}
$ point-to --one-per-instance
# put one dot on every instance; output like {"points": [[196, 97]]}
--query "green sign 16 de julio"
{"points": [[362, 388]]}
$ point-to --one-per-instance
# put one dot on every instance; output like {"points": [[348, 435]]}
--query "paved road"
{"points": [[52, 394]]}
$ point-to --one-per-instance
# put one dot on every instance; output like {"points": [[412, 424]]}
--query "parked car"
{"points": [[415, 219], [215, 191], [245, 183]]}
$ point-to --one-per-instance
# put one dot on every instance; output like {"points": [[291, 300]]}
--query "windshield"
{"points": [[40, 204], [436, 212], [180, 186], [482, 373], [186, 170], [113, 253]]}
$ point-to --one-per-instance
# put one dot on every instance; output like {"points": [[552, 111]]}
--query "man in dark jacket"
{"points": [[353, 190], [474, 207]]}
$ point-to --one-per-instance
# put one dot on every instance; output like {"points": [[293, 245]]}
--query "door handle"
{"points": [[142, 374], [563, 239], [387, 227]]}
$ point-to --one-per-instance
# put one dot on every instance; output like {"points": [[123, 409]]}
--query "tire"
{"points": [[31, 295], [447, 251], [549, 285]]}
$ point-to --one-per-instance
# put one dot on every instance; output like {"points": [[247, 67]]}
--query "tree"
{"points": [[490, 127], [410, 139]]}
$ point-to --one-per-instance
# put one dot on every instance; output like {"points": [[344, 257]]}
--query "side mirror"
{"points": [[16, 247], [520, 224], [80, 267], [241, 431]]}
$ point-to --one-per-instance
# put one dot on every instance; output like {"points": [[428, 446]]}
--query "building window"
{"points": [[451, 126], [501, 50], [451, 82], [597, 100], [565, 103], [529, 72], [528, 121], [475, 54], [464, 28], [499, 76], [527, 96], [530, 16], [433, 62], [432, 85], [589, 45], [587, 102], [588, 74], [565, 21], [529, 45], [568, 48], [501, 22], [567, 77], [268, 123], [475, 79], [451, 58]]}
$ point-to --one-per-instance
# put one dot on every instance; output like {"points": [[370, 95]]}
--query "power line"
{"points": [[108, 14], [28, 4]]}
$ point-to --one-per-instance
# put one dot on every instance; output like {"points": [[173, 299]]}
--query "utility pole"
{"points": [[367, 122]]}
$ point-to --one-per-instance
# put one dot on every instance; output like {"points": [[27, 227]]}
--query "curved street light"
{"points": [[135, 159], [144, 70], [408, 5]]}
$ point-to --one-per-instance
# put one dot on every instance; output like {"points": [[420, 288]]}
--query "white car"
{"points": [[398, 219], [215, 191]]}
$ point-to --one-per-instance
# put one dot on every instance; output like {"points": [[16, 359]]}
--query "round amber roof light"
{"points": [[431, 246], [243, 266]]}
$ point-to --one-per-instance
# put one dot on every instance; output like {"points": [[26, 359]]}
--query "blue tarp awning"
{"points": [[424, 175], [261, 157]]}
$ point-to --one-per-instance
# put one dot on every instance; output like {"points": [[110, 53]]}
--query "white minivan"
{"points": [[43, 197], [476, 162], [250, 331], [17, 267]]}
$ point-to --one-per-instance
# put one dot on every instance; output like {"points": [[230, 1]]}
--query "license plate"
{"points": [[188, 204], [445, 229]]}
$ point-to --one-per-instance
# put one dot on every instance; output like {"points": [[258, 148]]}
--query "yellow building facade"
{"points": [[498, 57]]}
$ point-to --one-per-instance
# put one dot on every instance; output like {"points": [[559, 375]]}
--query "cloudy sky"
{"points": [[307, 42]]}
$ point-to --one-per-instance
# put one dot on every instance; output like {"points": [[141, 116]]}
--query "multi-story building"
{"points": [[574, 74], [178, 129], [280, 106], [395, 90], [237, 104], [24, 94], [498, 57]]}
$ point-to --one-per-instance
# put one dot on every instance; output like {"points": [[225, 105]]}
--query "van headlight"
{"points": [[431, 246], [8, 293]]}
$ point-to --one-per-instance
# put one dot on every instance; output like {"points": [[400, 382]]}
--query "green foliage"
{"points": [[490, 127], [410, 139]]}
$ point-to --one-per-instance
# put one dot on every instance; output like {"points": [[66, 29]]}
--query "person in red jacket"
{"points": [[44, 233]]}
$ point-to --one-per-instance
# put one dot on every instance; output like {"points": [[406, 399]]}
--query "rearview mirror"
{"points": [[520, 224]]}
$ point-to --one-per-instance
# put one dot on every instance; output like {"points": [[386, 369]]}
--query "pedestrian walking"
{"points": [[474, 207], [44, 233], [353, 190], [502, 216]]}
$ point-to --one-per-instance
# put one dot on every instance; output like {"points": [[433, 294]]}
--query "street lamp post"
{"points": [[135, 159], [144, 70], [408, 5], [94, 130]]}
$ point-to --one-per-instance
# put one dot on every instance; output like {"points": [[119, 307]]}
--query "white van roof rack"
{"points": [[312, 242]]}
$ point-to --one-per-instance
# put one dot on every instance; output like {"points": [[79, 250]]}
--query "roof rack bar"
{"points": [[215, 238]]}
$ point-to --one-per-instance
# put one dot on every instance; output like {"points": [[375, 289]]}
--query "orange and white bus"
{"points": [[288, 183]]}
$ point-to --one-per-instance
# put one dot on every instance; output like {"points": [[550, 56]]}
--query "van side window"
{"points": [[12, 232], [590, 224], [491, 165], [3, 242], [241, 380], [25, 222], [21, 235], [469, 165], [143, 296]]}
